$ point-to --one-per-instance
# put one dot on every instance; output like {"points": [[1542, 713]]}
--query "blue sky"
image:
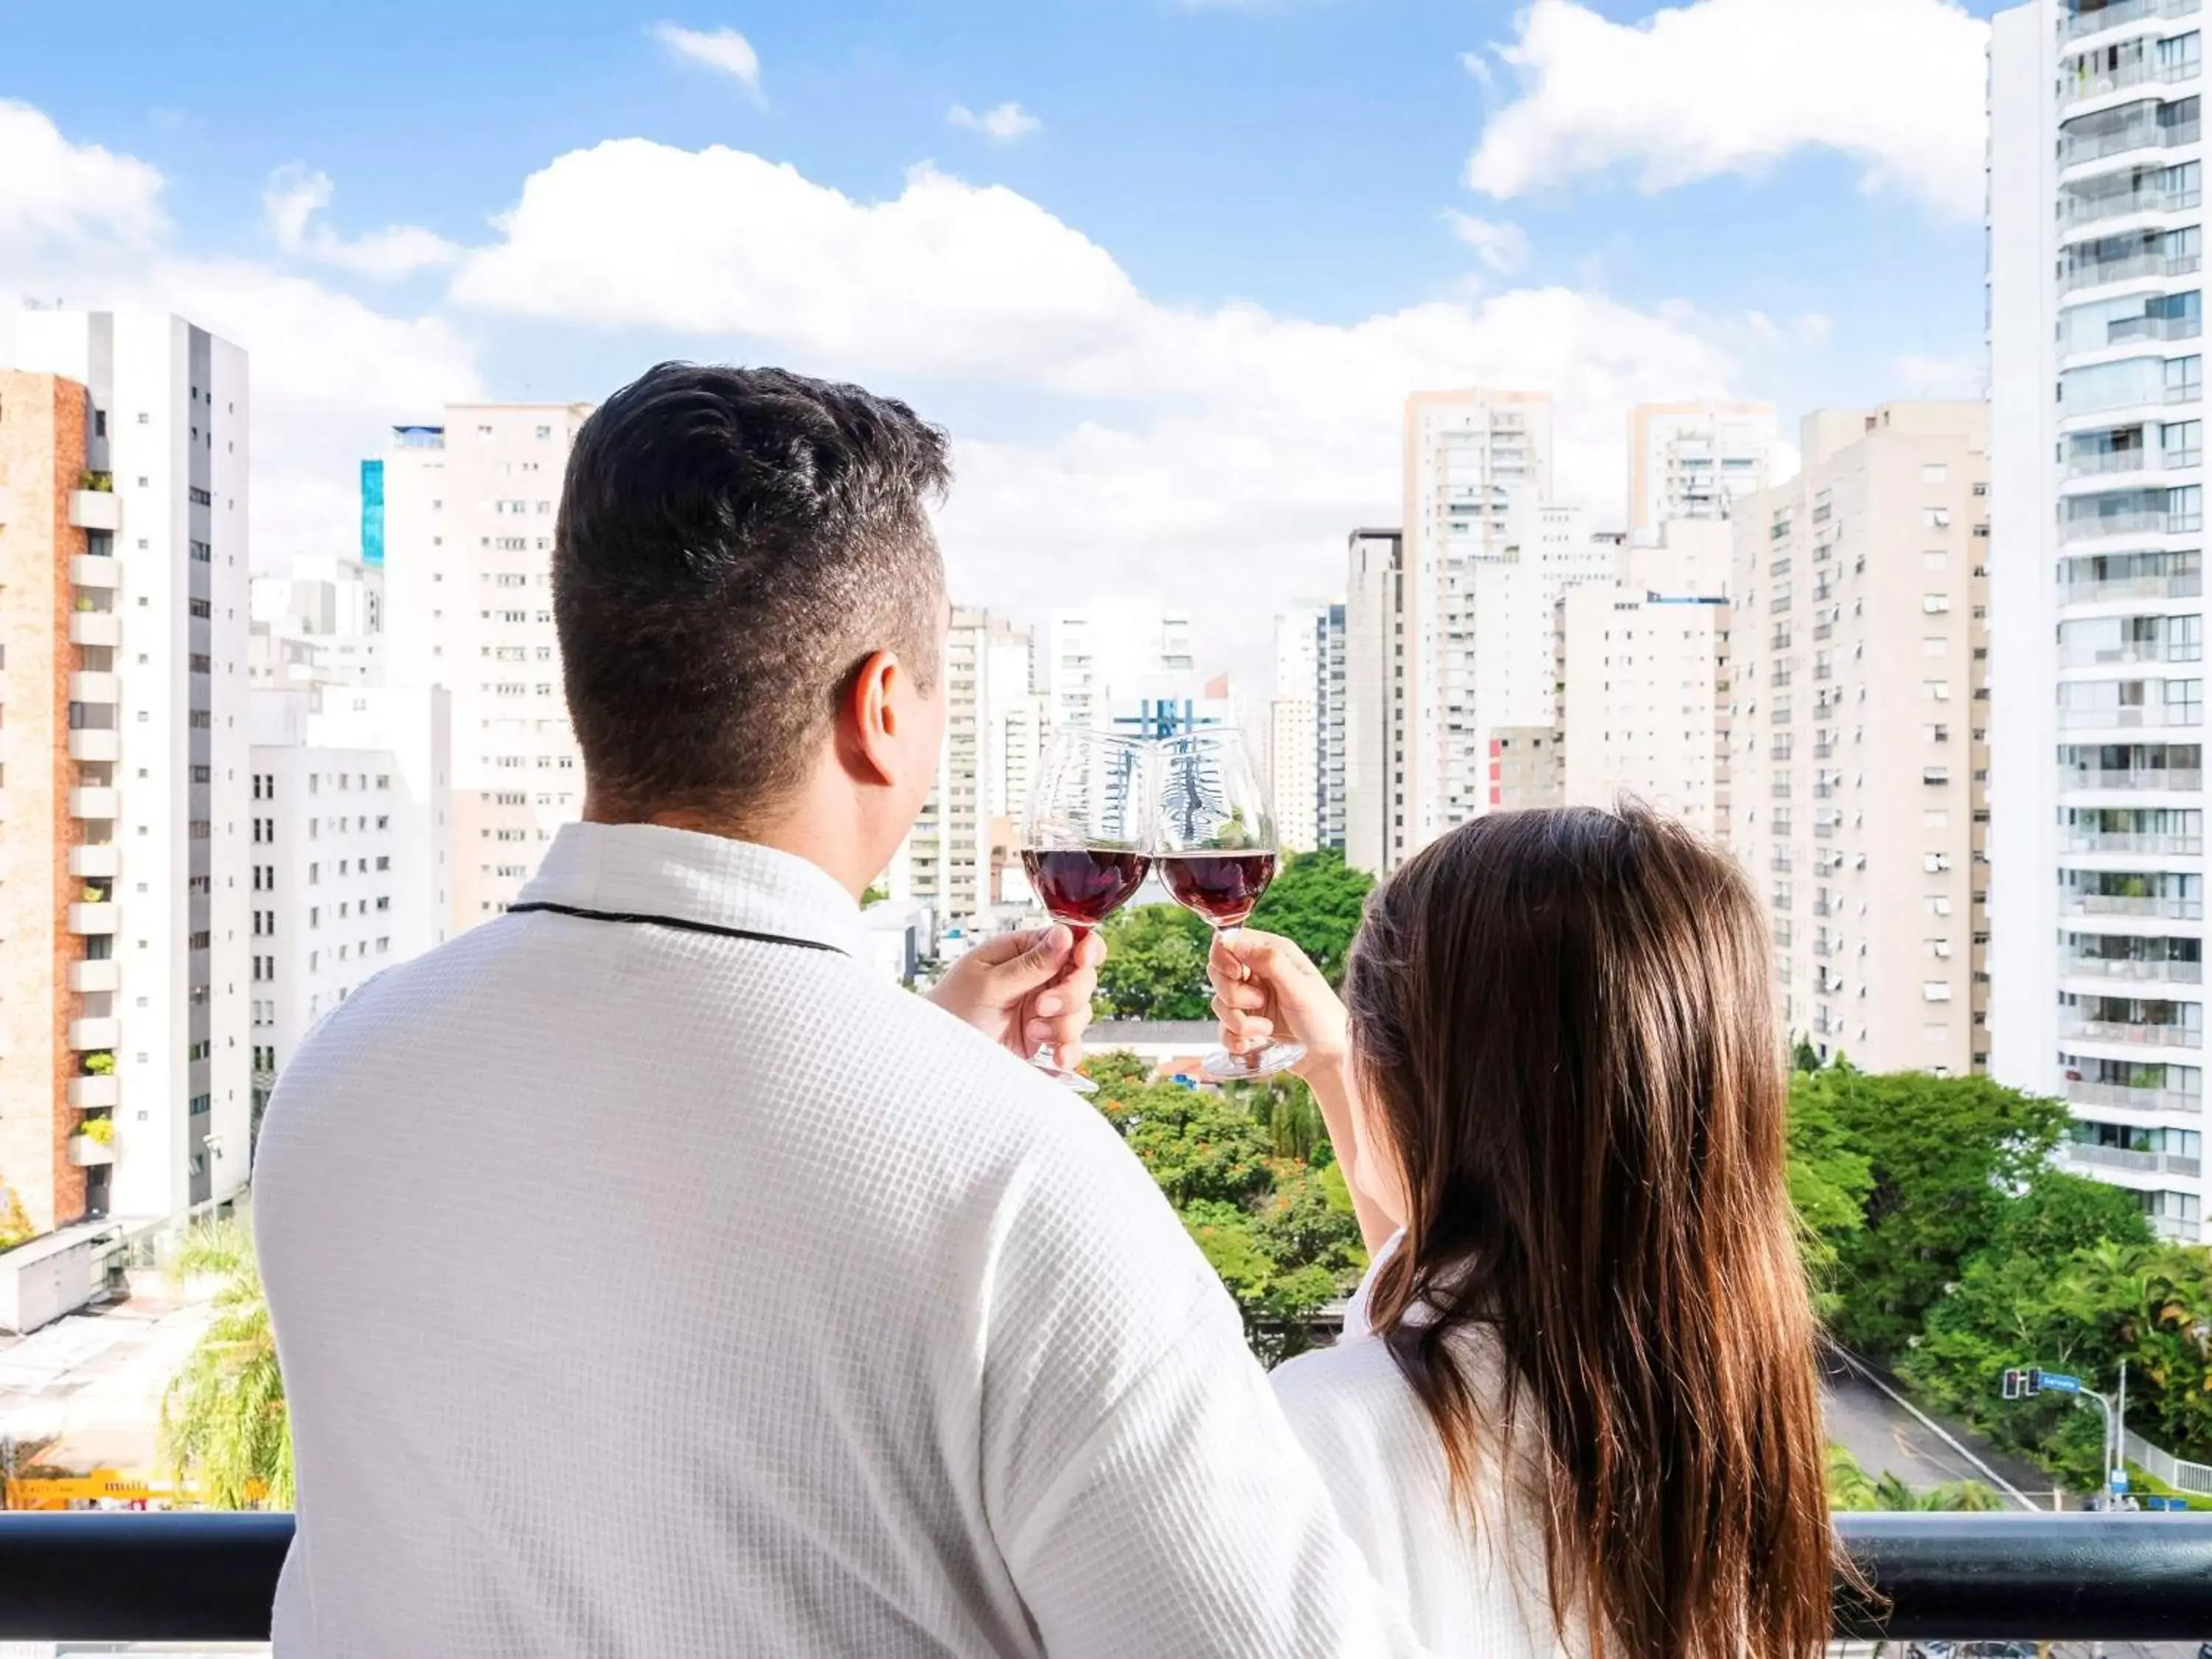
{"points": [[1232, 223]]}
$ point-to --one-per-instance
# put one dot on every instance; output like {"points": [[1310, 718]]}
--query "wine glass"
{"points": [[1086, 839], [1214, 839]]}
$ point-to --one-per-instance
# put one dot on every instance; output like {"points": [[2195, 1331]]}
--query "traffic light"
{"points": [[2012, 1380], [2032, 1383]]}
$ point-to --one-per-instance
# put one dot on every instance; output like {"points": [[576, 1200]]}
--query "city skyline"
{"points": [[1160, 368]]}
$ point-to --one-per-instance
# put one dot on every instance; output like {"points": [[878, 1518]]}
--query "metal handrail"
{"points": [[212, 1577]]}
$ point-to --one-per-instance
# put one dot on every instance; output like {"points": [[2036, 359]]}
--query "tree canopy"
{"points": [[1277, 1229]]}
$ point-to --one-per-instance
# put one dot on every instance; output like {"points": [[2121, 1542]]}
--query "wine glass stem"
{"points": [[1046, 1055]]}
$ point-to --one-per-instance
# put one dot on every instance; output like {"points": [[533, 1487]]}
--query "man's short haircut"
{"points": [[733, 544]]}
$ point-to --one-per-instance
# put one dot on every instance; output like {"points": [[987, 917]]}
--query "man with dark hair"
{"points": [[651, 1277]]}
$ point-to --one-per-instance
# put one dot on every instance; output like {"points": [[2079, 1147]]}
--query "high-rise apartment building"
{"points": [[1696, 460], [124, 901], [1294, 748], [350, 851], [945, 860], [469, 510], [1487, 553], [1525, 762], [1375, 701], [320, 622], [1126, 649], [1860, 733], [2097, 780], [1330, 669], [1643, 677]]}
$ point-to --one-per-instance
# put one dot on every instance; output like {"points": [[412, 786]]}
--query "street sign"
{"points": [[2119, 1479], [2057, 1381]]}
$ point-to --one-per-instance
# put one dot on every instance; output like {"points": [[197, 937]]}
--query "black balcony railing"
{"points": [[200, 1578]]}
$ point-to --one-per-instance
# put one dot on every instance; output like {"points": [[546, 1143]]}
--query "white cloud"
{"points": [[1813, 327], [327, 372], [1001, 126], [1159, 445], [1504, 247], [296, 199], [56, 195], [1732, 86], [722, 49]]}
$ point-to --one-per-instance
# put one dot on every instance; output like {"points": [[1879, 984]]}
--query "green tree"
{"points": [[1280, 1231], [1115, 1065], [1944, 1154], [224, 1428], [1155, 966], [1318, 900], [15, 1221], [1287, 1106], [1829, 1181]]}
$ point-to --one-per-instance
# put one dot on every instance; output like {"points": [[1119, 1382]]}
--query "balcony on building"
{"points": [[2079, 18], [2096, 1159], [95, 858], [2146, 124], [87, 687], [89, 974], [88, 917], [2149, 1021], [91, 1093], [96, 803], [2178, 767], [2172, 895], [95, 509], [2126, 1097], [95, 628], [87, 1153], [2121, 705], [2134, 956], [92, 570], [86, 1035], [2158, 511], [2104, 578], [2150, 187], [95, 744]]}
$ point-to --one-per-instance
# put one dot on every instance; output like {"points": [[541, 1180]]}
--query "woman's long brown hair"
{"points": [[1565, 1022]]}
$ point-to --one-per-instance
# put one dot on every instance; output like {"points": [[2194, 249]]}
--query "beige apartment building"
{"points": [[1524, 767], [1643, 678], [1859, 763], [469, 508], [1696, 460]]}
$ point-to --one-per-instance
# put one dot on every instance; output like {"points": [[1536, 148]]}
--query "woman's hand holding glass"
{"points": [[1265, 987]]}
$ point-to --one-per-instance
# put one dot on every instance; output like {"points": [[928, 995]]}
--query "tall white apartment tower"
{"points": [[1486, 554], [1115, 648], [2097, 780], [1375, 701], [1696, 460], [139, 729], [944, 862], [1860, 727], [1329, 718], [469, 513], [1293, 716]]}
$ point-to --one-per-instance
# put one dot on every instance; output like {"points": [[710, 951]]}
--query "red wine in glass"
{"points": [[1223, 887], [1084, 886]]}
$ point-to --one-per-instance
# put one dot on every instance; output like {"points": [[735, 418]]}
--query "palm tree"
{"points": [[223, 1423]]}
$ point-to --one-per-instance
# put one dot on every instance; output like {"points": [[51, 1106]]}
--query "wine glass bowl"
{"points": [[1086, 838], [1214, 843]]}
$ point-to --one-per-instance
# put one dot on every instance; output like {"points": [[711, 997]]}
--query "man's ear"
{"points": [[870, 717]]}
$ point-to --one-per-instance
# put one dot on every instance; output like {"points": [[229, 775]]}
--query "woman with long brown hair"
{"points": [[1575, 1408]]}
